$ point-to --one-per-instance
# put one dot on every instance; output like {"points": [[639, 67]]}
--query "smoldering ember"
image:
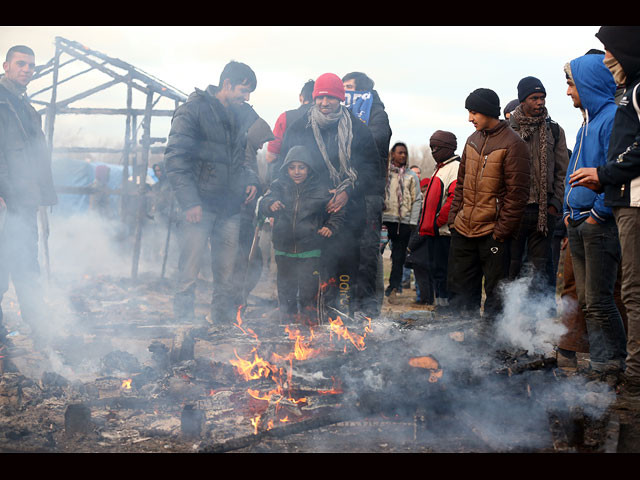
{"points": [[121, 371]]}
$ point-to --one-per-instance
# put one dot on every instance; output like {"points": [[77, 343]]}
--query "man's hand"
{"points": [[591, 220], [3, 205], [277, 205], [552, 210], [251, 193], [325, 232], [586, 177], [337, 202], [194, 214]]}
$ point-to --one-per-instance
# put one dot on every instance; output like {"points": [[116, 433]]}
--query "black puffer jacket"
{"points": [[205, 156], [381, 132], [25, 162], [295, 227]]}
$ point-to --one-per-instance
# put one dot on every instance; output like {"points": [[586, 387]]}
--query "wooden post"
{"points": [[142, 210]]}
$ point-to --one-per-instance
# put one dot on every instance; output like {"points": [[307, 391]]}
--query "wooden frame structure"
{"points": [[118, 72]]}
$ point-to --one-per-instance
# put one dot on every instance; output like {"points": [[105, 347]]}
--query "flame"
{"points": [[301, 349], [428, 363], [337, 327], [335, 389], [238, 324], [126, 384], [252, 370]]}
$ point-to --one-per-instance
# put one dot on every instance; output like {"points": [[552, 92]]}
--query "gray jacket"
{"points": [[26, 179]]}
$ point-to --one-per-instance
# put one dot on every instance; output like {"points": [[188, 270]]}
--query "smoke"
{"points": [[528, 319]]}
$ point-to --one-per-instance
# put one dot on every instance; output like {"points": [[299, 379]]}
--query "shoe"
{"points": [[566, 360], [393, 296], [629, 387], [612, 377]]}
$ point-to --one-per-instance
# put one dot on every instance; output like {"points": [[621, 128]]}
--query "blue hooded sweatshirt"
{"points": [[596, 89]]}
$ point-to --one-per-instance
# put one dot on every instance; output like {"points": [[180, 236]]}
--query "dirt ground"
{"points": [[124, 329]]}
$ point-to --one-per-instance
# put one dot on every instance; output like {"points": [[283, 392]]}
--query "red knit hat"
{"points": [[329, 84]]}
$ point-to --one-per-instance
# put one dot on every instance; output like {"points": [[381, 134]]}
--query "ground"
{"points": [[123, 329]]}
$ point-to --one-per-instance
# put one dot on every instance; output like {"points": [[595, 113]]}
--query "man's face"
{"points": [[533, 105], [479, 120], [350, 85], [20, 68], [328, 105], [236, 94], [572, 92], [399, 155]]}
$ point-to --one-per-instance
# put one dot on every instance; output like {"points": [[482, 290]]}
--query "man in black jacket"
{"points": [[345, 146], [207, 166], [370, 280], [620, 179], [26, 184]]}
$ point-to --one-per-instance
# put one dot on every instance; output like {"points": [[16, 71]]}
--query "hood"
{"points": [[300, 153], [594, 83], [624, 44], [259, 133]]}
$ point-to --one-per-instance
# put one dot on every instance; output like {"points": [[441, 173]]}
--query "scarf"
{"points": [[528, 126], [344, 177]]}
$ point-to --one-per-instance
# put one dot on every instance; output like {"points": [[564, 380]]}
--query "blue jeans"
{"points": [[595, 252], [223, 232]]}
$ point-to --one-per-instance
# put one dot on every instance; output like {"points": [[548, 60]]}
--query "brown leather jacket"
{"points": [[493, 184]]}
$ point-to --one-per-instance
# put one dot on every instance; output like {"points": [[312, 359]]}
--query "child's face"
{"points": [[298, 172]]}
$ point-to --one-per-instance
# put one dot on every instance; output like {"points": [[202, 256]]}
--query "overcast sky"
{"points": [[422, 73]]}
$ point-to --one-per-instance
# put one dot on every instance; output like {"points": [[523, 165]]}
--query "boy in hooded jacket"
{"points": [[297, 200]]}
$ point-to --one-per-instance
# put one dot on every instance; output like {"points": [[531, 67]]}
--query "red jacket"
{"points": [[438, 198]]}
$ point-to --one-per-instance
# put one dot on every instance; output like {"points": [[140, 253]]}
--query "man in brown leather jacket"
{"points": [[490, 196]]}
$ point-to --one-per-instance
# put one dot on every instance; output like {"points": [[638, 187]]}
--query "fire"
{"points": [[238, 324], [337, 326], [126, 384], [428, 363], [253, 367]]}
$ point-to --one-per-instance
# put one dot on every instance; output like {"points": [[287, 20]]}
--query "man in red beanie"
{"points": [[345, 147]]}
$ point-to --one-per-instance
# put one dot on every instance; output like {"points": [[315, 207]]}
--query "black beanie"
{"points": [[529, 85], [484, 101], [624, 45]]}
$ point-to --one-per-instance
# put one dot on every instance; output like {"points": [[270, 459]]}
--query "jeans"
{"points": [[223, 232], [628, 221], [19, 262], [298, 285], [595, 252]]}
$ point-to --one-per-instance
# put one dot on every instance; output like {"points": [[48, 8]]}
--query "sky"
{"points": [[423, 74]]}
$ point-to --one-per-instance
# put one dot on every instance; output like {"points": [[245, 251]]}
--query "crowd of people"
{"points": [[498, 211]]}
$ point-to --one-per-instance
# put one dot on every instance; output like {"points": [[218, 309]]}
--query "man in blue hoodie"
{"points": [[591, 227]]}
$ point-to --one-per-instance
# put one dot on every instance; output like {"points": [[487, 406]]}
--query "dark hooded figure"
{"points": [[297, 201]]}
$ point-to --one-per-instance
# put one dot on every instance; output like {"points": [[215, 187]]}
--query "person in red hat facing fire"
{"points": [[346, 149]]}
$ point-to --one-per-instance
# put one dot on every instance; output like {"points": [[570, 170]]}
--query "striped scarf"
{"points": [[528, 126], [346, 176]]}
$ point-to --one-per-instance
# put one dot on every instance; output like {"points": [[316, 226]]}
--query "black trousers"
{"points": [[471, 260], [298, 282], [438, 262], [399, 235]]}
